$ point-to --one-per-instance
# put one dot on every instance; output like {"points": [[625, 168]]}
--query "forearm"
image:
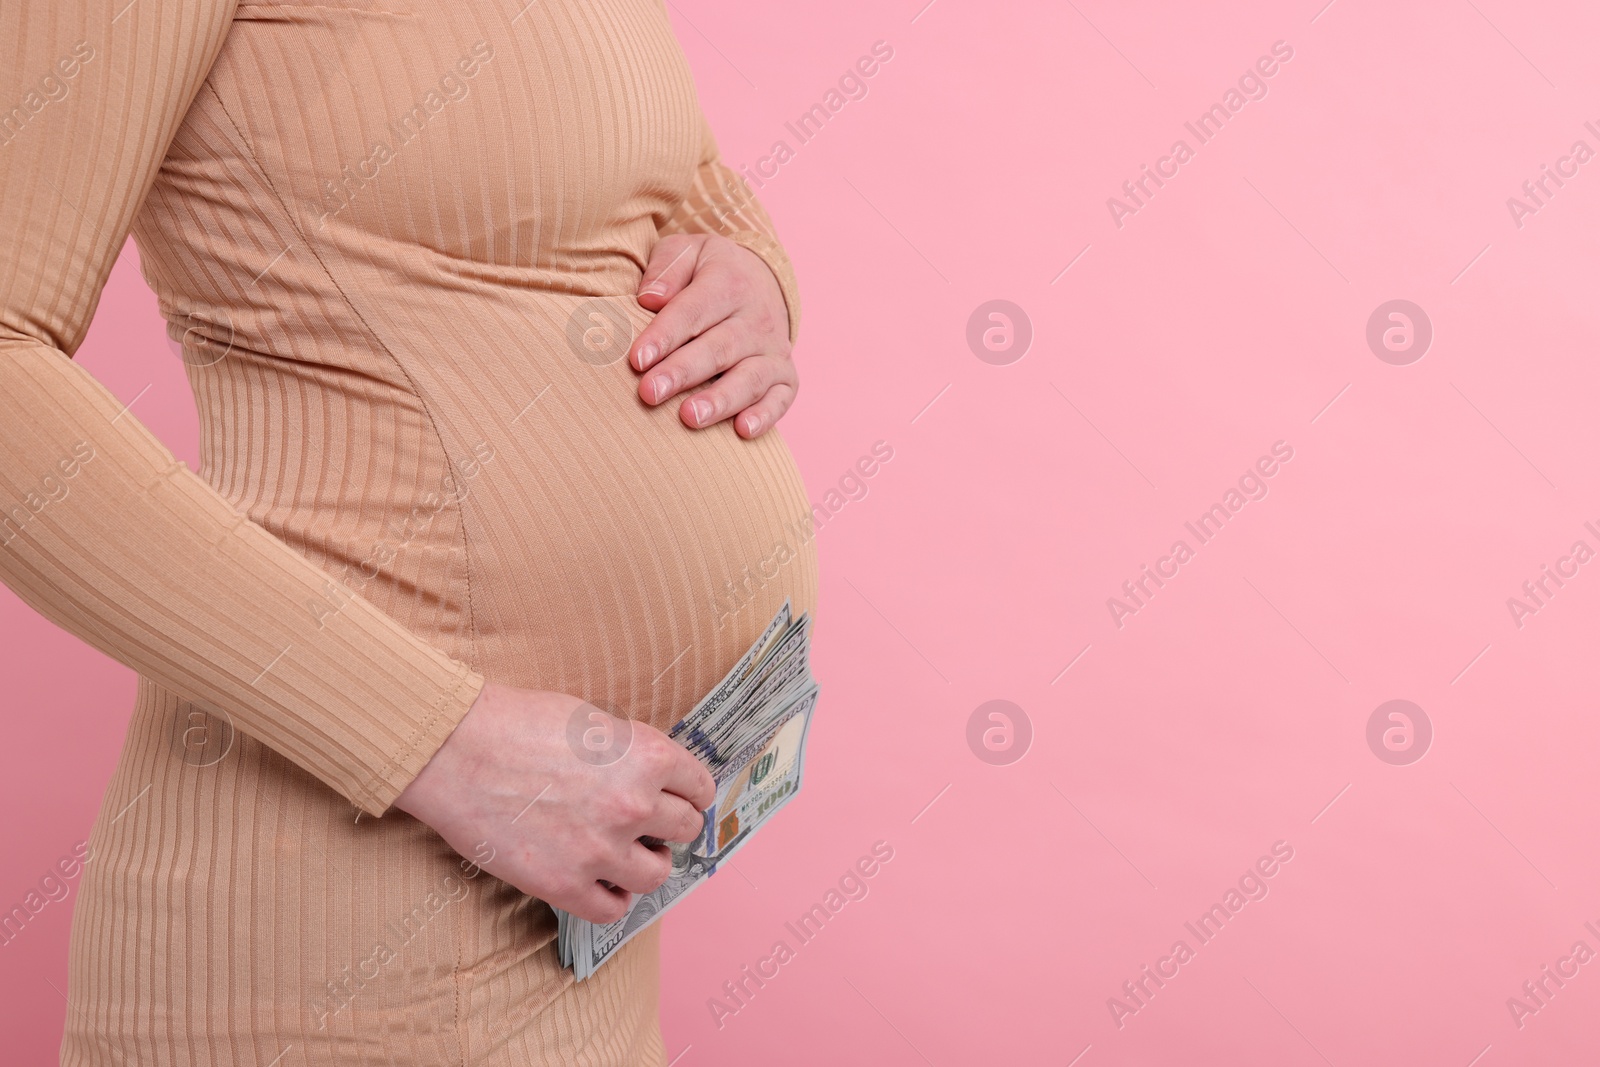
{"points": [[107, 535]]}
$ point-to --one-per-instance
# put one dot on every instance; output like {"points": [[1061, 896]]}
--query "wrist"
{"points": [[439, 766], [772, 253]]}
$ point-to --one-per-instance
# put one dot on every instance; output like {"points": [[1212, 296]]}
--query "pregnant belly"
{"points": [[617, 554], [503, 492]]}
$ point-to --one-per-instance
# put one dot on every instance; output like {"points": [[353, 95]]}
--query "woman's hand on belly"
{"points": [[519, 788], [720, 311]]}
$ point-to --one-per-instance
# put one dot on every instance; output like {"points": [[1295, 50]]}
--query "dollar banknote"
{"points": [[750, 732]]}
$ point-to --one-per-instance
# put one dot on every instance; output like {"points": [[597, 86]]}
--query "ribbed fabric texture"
{"points": [[384, 233]]}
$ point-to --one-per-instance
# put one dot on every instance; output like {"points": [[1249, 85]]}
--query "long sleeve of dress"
{"points": [[101, 530], [722, 202]]}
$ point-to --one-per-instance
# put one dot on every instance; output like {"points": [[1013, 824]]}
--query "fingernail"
{"points": [[653, 289], [659, 386], [752, 425], [648, 355], [700, 410]]}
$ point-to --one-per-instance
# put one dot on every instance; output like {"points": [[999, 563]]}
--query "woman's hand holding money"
{"points": [[510, 790]]}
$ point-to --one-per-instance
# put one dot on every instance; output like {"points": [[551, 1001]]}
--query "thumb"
{"points": [[672, 265]]}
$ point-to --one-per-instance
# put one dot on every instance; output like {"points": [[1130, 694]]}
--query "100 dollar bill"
{"points": [[756, 791], [750, 730]]}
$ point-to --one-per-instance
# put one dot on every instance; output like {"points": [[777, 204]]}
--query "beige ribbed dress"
{"points": [[397, 240]]}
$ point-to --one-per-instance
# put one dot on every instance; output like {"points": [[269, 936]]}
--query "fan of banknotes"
{"points": [[750, 732]]}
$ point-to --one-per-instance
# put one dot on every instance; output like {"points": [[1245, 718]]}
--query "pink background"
{"points": [[1232, 709]]}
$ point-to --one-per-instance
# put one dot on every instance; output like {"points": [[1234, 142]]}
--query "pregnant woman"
{"points": [[487, 344]]}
